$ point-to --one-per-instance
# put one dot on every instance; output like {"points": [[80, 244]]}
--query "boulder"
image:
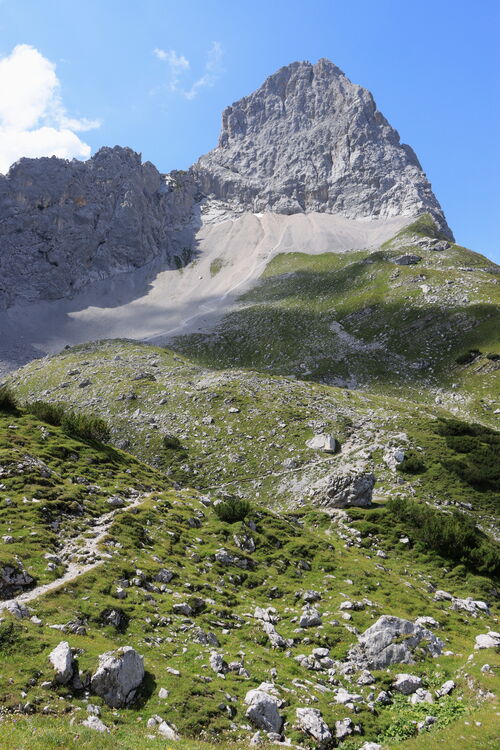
{"points": [[118, 676], [351, 489], [473, 606], [94, 722], [445, 689], [421, 695], [218, 664], [344, 728], [392, 640], [407, 260], [488, 640], [276, 640], [310, 618], [263, 709], [325, 443], [406, 683], [168, 732], [310, 721], [63, 663]]}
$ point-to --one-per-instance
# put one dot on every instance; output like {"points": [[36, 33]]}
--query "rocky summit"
{"points": [[310, 140], [249, 469]]}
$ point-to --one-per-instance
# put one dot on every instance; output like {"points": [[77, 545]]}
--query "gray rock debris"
{"points": [[310, 721], [310, 140], [119, 675], [63, 663], [392, 640], [351, 489]]}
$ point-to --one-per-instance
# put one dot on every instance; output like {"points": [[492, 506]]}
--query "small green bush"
{"points": [[85, 426], [172, 442], [232, 510], [479, 447], [50, 413], [452, 535], [8, 403], [412, 464], [467, 357]]}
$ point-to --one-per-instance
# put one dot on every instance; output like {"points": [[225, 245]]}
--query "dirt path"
{"points": [[82, 548]]}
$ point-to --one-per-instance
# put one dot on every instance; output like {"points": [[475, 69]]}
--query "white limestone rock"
{"points": [[310, 721], [392, 640], [63, 663], [119, 675]]}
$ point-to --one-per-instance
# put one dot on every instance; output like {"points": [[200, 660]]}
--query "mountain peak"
{"points": [[311, 140]]}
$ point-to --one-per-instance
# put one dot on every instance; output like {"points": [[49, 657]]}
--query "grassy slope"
{"points": [[162, 533], [405, 325]]}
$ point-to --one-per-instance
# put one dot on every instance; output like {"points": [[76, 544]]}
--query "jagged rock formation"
{"points": [[66, 223], [307, 140], [310, 140]]}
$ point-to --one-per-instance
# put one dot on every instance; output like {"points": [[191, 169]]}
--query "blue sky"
{"points": [[431, 66]]}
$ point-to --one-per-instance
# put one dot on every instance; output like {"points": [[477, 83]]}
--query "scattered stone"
{"points": [[163, 694], [344, 728], [426, 723], [17, 609]]}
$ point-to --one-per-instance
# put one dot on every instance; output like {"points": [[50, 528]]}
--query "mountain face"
{"points": [[310, 140], [307, 140], [67, 223]]}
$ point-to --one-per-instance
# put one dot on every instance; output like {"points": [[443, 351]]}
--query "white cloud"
{"points": [[33, 119], [178, 64]]}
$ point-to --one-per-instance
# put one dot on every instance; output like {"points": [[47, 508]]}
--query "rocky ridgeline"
{"points": [[307, 140], [65, 223], [310, 140]]}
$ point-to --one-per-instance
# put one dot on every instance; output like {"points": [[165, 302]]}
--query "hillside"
{"points": [[205, 616]]}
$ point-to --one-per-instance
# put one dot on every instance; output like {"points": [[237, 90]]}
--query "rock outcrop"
{"points": [[344, 490], [66, 223], [392, 640], [310, 140]]}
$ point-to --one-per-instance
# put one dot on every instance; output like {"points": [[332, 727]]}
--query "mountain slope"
{"points": [[219, 572]]}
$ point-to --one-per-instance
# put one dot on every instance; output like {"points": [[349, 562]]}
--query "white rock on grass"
{"points": [[446, 688], [488, 640], [263, 708], [168, 732], [406, 683], [94, 722], [62, 660], [309, 618], [119, 675], [392, 640], [312, 723], [421, 695]]}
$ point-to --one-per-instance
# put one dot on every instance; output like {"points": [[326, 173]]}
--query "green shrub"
{"points": [[7, 400], [50, 413], [451, 535], [172, 442], [75, 424], [479, 446], [412, 464], [467, 357], [232, 510]]}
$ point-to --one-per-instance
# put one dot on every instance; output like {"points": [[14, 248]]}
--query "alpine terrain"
{"points": [[249, 451]]}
